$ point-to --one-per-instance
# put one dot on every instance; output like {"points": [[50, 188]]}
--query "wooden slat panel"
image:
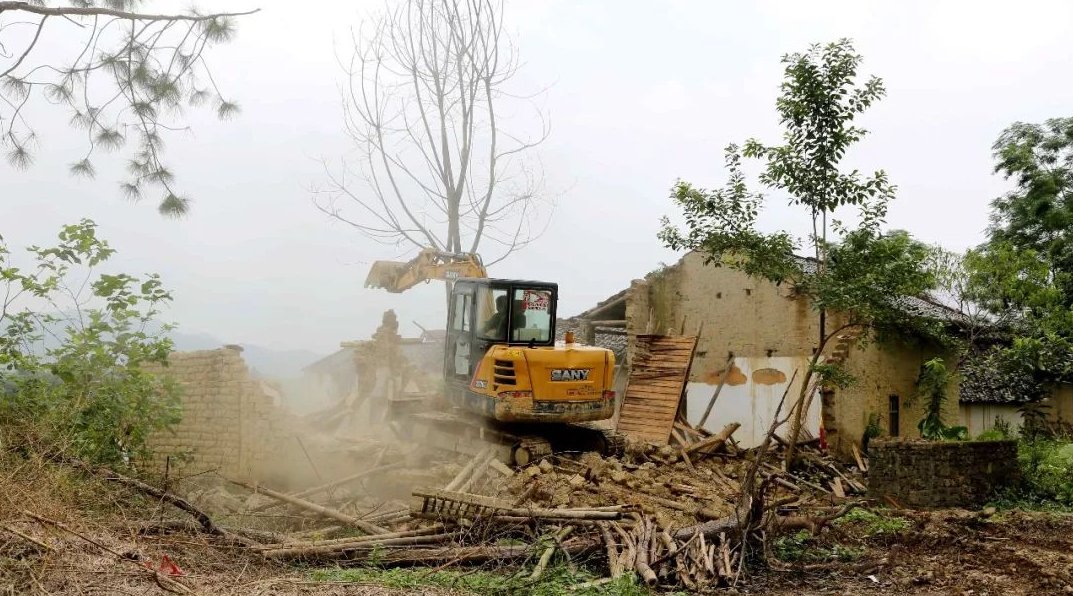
{"points": [[654, 389]]}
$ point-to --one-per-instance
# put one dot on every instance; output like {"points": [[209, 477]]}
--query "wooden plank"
{"points": [[648, 415], [654, 399], [650, 412], [652, 406], [653, 391], [641, 429], [857, 456], [655, 403], [655, 386]]}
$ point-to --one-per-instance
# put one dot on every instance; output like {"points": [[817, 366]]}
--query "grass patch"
{"points": [[802, 548], [872, 523], [555, 580], [1025, 499]]}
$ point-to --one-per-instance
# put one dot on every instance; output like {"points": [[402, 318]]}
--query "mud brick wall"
{"points": [[754, 318], [229, 423], [940, 474]]}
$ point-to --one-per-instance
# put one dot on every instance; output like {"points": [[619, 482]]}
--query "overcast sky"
{"points": [[639, 94]]}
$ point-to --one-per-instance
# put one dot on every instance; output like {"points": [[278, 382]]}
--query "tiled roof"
{"points": [[985, 379]]}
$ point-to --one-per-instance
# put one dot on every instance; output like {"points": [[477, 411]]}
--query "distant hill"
{"points": [[264, 362]]}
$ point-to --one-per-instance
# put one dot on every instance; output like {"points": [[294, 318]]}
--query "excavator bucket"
{"points": [[386, 274]]}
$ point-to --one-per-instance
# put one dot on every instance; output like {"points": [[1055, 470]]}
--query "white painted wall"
{"points": [[980, 417], [753, 404]]}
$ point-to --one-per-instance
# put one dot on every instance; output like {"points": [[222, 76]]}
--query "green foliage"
{"points": [[1035, 422], [1038, 214], [801, 547], [722, 224], [820, 100], [833, 375], [1023, 275], [863, 272], [73, 344], [555, 580], [991, 434], [870, 273], [1003, 427], [1000, 431], [931, 386], [872, 429], [874, 523], [1046, 475]]}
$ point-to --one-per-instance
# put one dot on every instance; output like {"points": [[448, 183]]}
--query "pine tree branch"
{"points": [[121, 14]]}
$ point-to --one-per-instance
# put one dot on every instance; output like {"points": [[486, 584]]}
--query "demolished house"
{"points": [[755, 334], [336, 375]]}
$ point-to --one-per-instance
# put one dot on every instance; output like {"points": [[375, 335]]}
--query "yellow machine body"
{"points": [[516, 372], [564, 383]]}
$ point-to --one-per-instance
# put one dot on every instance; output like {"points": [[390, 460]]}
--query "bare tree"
{"points": [[130, 76], [425, 103]]}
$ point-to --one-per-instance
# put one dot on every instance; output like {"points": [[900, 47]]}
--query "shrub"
{"points": [[73, 346]]}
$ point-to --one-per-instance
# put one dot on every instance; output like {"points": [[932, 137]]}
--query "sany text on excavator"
{"points": [[502, 362]]}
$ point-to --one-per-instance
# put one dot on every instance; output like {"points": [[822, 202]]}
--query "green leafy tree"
{"points": [[1023, 275], [127, 80], [1038, 213], [931, 386], [74, 347], [862, 271]]}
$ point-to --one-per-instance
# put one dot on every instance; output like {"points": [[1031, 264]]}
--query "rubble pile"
{"points": [[675, 515]]}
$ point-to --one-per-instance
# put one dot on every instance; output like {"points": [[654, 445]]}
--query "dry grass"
{"points": [[99, 550]]}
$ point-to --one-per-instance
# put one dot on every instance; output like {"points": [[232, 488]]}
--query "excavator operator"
{"points": [[496, 326]]}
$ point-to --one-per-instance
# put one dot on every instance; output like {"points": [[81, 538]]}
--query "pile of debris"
{"points": [[678, 516]]}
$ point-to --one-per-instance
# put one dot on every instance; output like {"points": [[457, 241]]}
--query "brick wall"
{"points": [[229, 422], [940, 474]]}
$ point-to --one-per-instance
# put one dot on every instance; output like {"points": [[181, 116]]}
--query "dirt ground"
{"points": [[102, 546], [942, 552]]}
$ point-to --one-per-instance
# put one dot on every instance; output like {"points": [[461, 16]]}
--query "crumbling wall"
{"points": [[230, 423], [758, 320], [940, 474]]}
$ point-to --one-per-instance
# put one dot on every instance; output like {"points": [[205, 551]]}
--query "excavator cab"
{"points": [[501, 358]]}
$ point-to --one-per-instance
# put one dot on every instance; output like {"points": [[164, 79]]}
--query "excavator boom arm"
{"points": [[429, 264]]}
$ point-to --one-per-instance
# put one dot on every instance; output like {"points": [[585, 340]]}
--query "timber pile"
{"points": [[677, 516], [683, 517]]}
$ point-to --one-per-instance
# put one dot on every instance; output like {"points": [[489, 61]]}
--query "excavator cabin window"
{"points": [[525, 314], [493, 313], [531, 315]]}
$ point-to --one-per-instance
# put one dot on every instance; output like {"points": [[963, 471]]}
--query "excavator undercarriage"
{"points": [[513, 444]]}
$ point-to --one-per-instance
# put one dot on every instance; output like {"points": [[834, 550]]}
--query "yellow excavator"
{"points": [[502, 363]]}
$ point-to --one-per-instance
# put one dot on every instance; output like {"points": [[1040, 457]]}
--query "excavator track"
{"points": [[518, 445]]}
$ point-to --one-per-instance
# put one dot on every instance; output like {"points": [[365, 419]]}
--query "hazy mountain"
{"points": [[265, 362]]}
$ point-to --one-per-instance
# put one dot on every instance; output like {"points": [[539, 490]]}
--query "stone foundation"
{"points": [[927, 474]]}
